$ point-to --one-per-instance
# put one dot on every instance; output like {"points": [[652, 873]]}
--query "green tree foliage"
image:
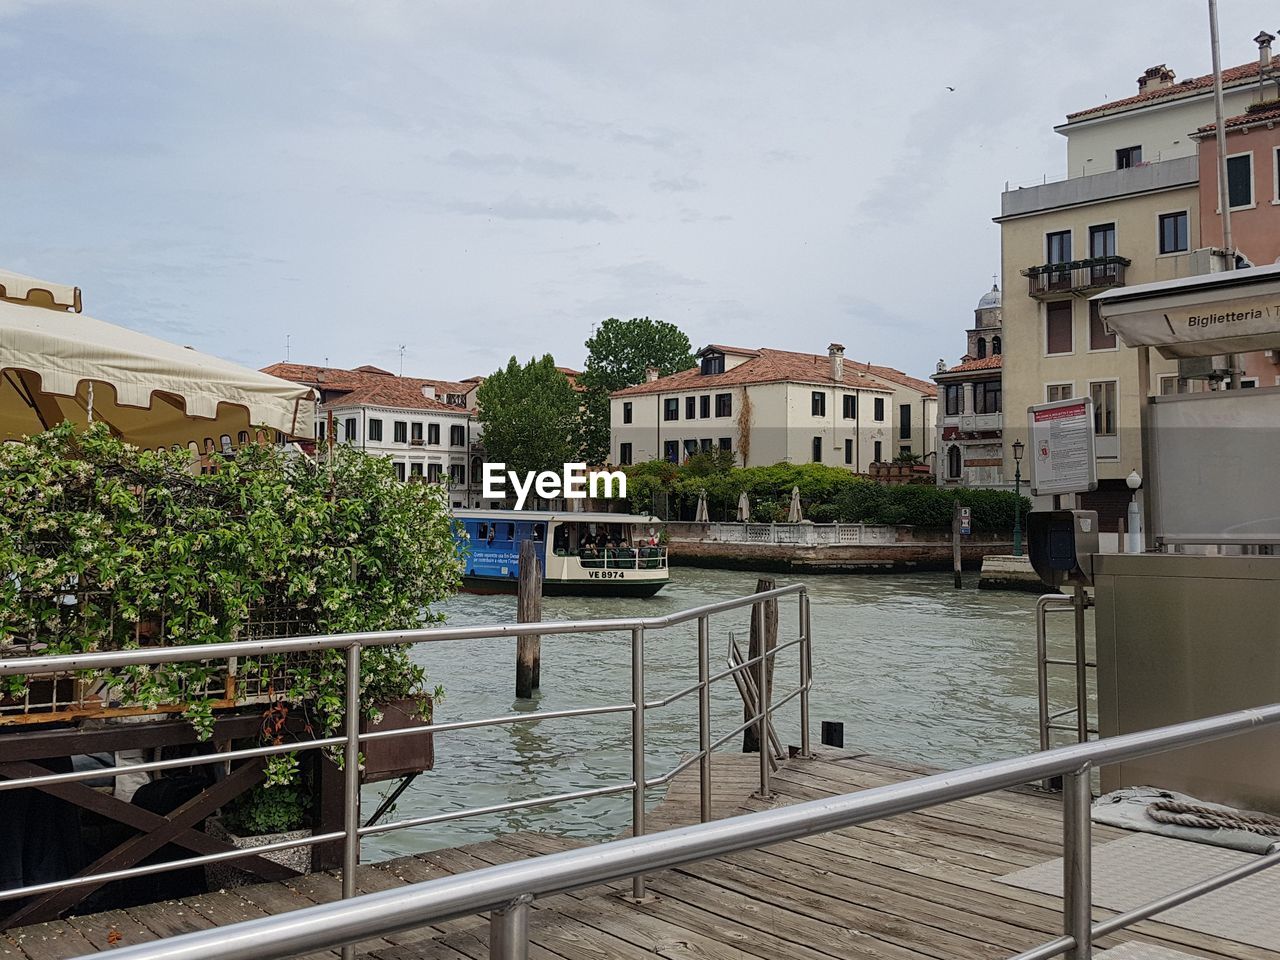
{"points": [[529, 413], [828, 494], [617, 355], [108, 547]]}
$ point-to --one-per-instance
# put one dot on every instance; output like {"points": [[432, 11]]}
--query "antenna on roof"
{"points": [[287, 338], [402, 346]]}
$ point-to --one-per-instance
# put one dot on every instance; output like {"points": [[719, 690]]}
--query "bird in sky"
{"points": [[952, 89]]}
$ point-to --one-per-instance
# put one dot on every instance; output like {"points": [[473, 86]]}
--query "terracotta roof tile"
{"points": [[340, 379], [986, 363], [1233, 75], [778, 366], [1243, 120], [403, 392]]}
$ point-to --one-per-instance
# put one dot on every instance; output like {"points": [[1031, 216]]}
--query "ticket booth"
{"points": [[1190, 627]]}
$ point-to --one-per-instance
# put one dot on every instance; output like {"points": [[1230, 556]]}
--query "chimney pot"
{"points": [[1155, 78], [650, 374], [1263, 40], [836, 352]]}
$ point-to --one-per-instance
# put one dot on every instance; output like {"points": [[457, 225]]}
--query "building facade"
{"points": [[1130, 211], [770, 406], [971, 404]]}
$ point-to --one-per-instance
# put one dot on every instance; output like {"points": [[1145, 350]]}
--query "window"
{"points": [[1059, 391], [724, 404], [982, 347], [690, 407], [624, 454], [904, 421], [690, 447], [876, 454], [433, 434], [818, 403], [1057, 323], [1102, 240], [671, 408], [1173, 232], [712, 363], [704, 445], [319, 429], [817, 449], [704, 406], [879, 410], [954, 463], [400, 431], [1104, 408], [626, 412], [988, 396], [457, 435], [374, 430], [1101, 336], [349, 429], [1058, 246], [415, 432], [726, 443], [671, 451], [905, 449], [1127, 157], [848, 450], [995, 346], [1169, 385], [399, 471], [1240, 180], [952, 398], [433, 473], [415, 469], [851, 406], [457, 475]]}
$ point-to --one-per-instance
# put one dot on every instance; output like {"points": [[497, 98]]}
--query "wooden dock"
{"points": [[918, 886]]}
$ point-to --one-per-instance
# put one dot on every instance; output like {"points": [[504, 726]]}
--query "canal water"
{"points": [[912, 667]]}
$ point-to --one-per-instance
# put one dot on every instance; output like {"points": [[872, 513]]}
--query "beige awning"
{"points": [[39, 293], [151, 392]]}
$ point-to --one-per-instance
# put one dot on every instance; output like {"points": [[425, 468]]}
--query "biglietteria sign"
{"points": [[1062, 454], [1198, 329]]}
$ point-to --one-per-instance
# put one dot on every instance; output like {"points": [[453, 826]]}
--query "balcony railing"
{"points": [[1075, 277]]}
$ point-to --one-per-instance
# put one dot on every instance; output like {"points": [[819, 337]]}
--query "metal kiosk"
{"points": [[1190, 627]]}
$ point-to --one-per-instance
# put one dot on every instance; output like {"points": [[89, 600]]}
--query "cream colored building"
{"points": [[770, 406], [1127, 213]]}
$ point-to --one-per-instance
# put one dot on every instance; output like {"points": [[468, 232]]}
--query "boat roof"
{"points": [[566, 516]]}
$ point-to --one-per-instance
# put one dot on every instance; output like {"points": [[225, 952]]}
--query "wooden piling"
{"points": [[528, 610], [750, 738], [955, 544]]}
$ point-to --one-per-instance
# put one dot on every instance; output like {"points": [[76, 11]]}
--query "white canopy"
{"points": [[55, 365]]}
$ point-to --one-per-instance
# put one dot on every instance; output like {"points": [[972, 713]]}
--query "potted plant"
{"points": [[269, 813], [398, 691]]}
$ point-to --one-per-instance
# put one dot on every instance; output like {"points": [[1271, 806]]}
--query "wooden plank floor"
{"points": [[915, 887]]}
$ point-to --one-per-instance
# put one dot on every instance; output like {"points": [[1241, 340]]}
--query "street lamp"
{"points": [[1018, 448], [1135, 545]]}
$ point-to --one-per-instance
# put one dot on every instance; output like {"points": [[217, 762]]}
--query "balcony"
{"points": [[1076, 278]]}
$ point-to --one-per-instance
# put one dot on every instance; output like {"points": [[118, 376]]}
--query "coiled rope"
{"points": [[1208, 818]]}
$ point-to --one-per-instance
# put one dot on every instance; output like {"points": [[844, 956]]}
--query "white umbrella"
{"points": [[744, 507], [703, 516], [794, 514], [58, 365]]}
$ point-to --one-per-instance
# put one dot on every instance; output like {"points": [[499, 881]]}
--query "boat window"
{"points": [[482, 531]]}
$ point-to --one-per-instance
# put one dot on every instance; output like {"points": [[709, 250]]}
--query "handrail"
{"points": [[508, 889]]}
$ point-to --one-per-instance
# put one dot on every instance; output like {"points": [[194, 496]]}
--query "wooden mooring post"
{"points": [[528, 610], [955, 544], [768, 625]]}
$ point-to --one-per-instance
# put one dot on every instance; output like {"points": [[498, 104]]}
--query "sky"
{"points": [[470, 180]]}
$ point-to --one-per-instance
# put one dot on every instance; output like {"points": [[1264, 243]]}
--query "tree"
{"points": [[617, 355], [529, 416]]}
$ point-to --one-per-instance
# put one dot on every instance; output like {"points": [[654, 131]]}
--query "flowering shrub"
{"points": [[104, 546]]}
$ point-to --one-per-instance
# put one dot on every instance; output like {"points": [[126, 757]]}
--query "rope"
{"points": [[1208, 818]]}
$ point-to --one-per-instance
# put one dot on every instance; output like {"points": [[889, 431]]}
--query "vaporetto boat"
{"points": [[582, 554]]}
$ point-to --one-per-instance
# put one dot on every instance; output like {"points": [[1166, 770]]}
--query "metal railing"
{"points": [[352, 738], [631, 558], [1050, 721], [1075, 276], [509, 890]]}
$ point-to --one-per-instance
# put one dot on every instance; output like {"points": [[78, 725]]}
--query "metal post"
{"points": [[1077, 866], [1042, 668], [637, 747], [351, 785], [509, 931], [704, 718], [763, 697], [806, 673], [1017, 509], [1082, 668]]}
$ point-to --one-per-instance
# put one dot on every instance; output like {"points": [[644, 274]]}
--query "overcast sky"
{"points": [[475, 180]]}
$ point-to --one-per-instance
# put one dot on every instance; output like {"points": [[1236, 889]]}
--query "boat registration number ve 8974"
{"points": [[605, 574]]}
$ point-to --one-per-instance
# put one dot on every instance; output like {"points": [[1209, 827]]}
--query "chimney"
{"points": [[1263, 40], [1155, 78], [650, 374], [836, 352]]}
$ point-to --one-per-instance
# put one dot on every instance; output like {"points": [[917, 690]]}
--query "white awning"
{"points": [[40, 293], [1235, 311], [152, 392]]}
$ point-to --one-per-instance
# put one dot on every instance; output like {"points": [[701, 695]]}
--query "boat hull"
{"points": [[568, 588]]}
